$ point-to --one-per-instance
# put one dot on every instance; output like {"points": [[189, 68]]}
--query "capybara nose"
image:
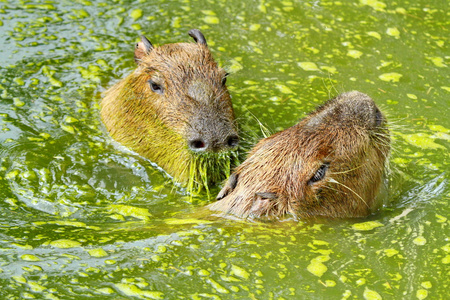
{"points": [[203, 144], [232, 140], [198, 145]]}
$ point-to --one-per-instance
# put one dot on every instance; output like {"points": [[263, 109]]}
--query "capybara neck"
{"points": [[175, 110], [329, 164]]}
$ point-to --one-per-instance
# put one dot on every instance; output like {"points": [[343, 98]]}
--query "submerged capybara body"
{"points": [[330, 164], [175, 110]]}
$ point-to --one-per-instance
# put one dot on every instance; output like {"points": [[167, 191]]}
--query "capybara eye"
{"points": [[378, 117], [155, 87], [319, 175]]}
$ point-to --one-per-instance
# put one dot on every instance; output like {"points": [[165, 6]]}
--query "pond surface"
{"points": [[81, 217]]}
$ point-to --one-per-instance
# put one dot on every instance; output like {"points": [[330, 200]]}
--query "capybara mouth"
{"points": [[329, 164], [174, 105], [208, 169]]}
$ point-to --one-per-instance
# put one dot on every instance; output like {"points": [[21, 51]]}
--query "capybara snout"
{"points": [[330, 164]]}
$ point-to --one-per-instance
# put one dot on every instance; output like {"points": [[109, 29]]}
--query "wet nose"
{"points": [[200, 144]]}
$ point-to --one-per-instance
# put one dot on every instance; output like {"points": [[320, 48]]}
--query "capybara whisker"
{"points": [[346, 171], [334, 181], [329, 164]]}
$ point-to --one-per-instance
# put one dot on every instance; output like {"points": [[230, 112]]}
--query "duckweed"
{"points": [[65, 243], [365, 226]]}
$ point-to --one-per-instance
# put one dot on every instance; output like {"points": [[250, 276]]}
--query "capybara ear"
{"points": [[198, 37], [267, 196], [229, 186], [143, 48]]}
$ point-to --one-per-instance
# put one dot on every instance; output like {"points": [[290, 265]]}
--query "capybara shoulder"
{"points": [[175, 110], [329, 164]]}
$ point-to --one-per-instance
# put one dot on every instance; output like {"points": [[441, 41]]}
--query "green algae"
{"points": [[317, 268], [366, 226], [134, 291], [239, 272], [393, 32], [371, 295], [30, 257], [308, 66], [130, 211], [391, 77], [136, 13], [65, 243], [354, 53], [98, 252]]}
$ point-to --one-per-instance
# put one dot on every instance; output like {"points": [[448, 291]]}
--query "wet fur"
{"points": [[195, 103], [347, 135]]}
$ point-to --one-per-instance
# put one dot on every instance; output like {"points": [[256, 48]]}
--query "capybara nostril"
{"points": [[232, 141], [197, 145]]}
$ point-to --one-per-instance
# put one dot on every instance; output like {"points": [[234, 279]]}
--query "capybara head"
{"points": [[330, 164], [175, 110]]}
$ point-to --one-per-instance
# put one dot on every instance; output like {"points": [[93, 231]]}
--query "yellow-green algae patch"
{"points": [[130, 211], [30, 257], [67, 223], [64, 243], [437, 61], [375, 4], [393, 32], [98, 252], [371, 295], [374, 34], [219, 288], [136, 13], [366, 226], [204, 272], [421, 140], [420, 241], [308, 66], [235, 65], [68, 128], [390, 252], [392, 77], [316, 266], [106, 291], [284, 89], [36, 287], [133, 291], [239, 272], [354, 53], [421, 294], [211, 20], [186, 221]]}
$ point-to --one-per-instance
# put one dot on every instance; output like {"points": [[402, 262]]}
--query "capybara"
{"points": [[329, 164], [175, 110]]}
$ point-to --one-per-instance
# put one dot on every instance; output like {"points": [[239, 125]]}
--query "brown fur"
{"points": [[346, 138], [192, 104]]}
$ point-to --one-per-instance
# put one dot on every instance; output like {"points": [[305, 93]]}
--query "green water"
{"points": [[83, 218]]}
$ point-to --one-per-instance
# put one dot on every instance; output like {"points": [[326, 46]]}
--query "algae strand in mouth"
{"points": [[209, 169]]}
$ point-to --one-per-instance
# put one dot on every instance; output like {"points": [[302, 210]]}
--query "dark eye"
{"points": [[156, 87], [378, 117], [320, 174], [224, 79]]}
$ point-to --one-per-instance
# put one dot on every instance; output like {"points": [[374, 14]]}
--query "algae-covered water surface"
{"points": [[81, 217]]}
